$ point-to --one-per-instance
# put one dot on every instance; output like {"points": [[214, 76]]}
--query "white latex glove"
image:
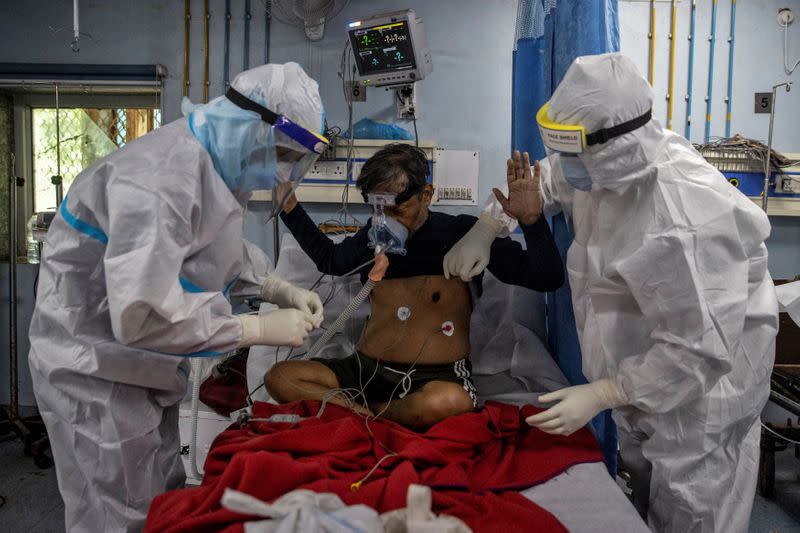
{"points": [[577, 406], [469, 256], [285, 295], [283, 327]]}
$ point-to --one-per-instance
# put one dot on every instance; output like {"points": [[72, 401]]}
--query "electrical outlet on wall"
{"points": [[327, 170], [789, 184]]}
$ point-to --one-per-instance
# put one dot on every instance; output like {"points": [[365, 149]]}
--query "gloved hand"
{"points": [[284, 294], [282, 327], [577, 406], [469, 256]]}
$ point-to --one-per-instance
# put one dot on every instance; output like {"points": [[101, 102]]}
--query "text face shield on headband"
{"points": [[564, 138], [297, 148], [573, 139], [386, 235]]}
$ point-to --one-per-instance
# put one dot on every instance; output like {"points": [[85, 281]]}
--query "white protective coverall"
{"points": [[138, 265], [672, 299], [789, 299]]}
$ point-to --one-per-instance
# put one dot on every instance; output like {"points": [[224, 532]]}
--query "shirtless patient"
{"points": [[423, 370]]}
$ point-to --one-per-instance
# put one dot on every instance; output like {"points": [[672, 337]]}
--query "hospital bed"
{"points": [[510, 364]]}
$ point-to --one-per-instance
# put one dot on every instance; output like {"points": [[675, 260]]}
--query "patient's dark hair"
{"points": [[390, 163]]}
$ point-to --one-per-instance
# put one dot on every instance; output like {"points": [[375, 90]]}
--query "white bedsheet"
{"points": [[510, 364]]}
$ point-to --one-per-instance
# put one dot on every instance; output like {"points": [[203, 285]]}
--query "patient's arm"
{"points": [[538, 267], [330, 258]]}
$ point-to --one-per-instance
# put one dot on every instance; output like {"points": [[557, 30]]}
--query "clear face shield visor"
{"points": [[297, 148]]}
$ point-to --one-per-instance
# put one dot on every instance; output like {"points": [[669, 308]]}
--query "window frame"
{"points": [[25, 100]]}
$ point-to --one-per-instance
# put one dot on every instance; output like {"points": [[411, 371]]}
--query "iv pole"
{"points": [[765, 193]]}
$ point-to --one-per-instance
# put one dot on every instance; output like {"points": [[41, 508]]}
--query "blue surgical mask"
{"points": [[575, 172]]}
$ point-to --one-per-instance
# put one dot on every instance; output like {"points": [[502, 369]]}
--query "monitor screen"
{"points": [[385, 48]]}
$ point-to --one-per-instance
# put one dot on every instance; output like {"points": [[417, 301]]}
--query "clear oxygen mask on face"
{"points": [[387, 235]]}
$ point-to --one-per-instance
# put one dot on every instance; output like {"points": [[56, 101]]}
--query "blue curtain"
{"points": [[550, 34]]}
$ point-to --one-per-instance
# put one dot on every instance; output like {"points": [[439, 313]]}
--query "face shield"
{"points": [[563, 138], [293, 148], [571, 141]]}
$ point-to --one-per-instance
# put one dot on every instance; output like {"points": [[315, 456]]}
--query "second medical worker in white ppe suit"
{"points": [[136, 276], [674, 306]]}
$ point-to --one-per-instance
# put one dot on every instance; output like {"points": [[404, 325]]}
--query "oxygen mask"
{"points": [[386, 235]]}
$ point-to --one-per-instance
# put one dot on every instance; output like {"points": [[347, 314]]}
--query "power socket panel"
{"points": [[790, 184], [335, 171]]}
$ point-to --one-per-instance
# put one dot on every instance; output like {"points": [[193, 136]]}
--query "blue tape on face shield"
{"points": [[386, 235], [575, 172]]}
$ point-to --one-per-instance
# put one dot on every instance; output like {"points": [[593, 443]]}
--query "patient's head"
{"points": [[400, 169]]}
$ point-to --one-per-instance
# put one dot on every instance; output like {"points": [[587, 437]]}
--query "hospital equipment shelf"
{"points": [[326, 180], [748, 176]]}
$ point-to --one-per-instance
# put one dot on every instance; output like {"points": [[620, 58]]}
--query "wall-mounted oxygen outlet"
{"points": [[785, 16], [406, 102]]}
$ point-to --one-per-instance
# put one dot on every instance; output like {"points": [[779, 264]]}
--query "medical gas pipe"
{"points": [[246, 44], [226, 54], [672, 37], [712, 39], [652, 36], [729, 99], [689, 80], [187, 15]]}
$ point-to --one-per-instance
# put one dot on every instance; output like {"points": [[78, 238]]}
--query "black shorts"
{"points": [[396, 380]]}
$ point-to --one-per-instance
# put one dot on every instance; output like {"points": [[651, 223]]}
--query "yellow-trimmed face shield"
{"points": [[573, 139], [560, 137]]}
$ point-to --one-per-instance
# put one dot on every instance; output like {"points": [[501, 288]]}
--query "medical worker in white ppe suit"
{"points": [[139, 264], [674, 306]]}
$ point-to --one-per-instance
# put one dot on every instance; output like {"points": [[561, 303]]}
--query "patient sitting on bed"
{"points": [[412, 362]]}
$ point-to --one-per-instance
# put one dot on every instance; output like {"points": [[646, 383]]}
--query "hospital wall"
{"points": [[758, 65], [464, 104]]}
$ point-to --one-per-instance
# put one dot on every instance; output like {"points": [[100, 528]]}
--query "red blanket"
{"points": [[474, 463]]}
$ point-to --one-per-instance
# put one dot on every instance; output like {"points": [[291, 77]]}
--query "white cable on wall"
{"points": [[788, 70]]}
